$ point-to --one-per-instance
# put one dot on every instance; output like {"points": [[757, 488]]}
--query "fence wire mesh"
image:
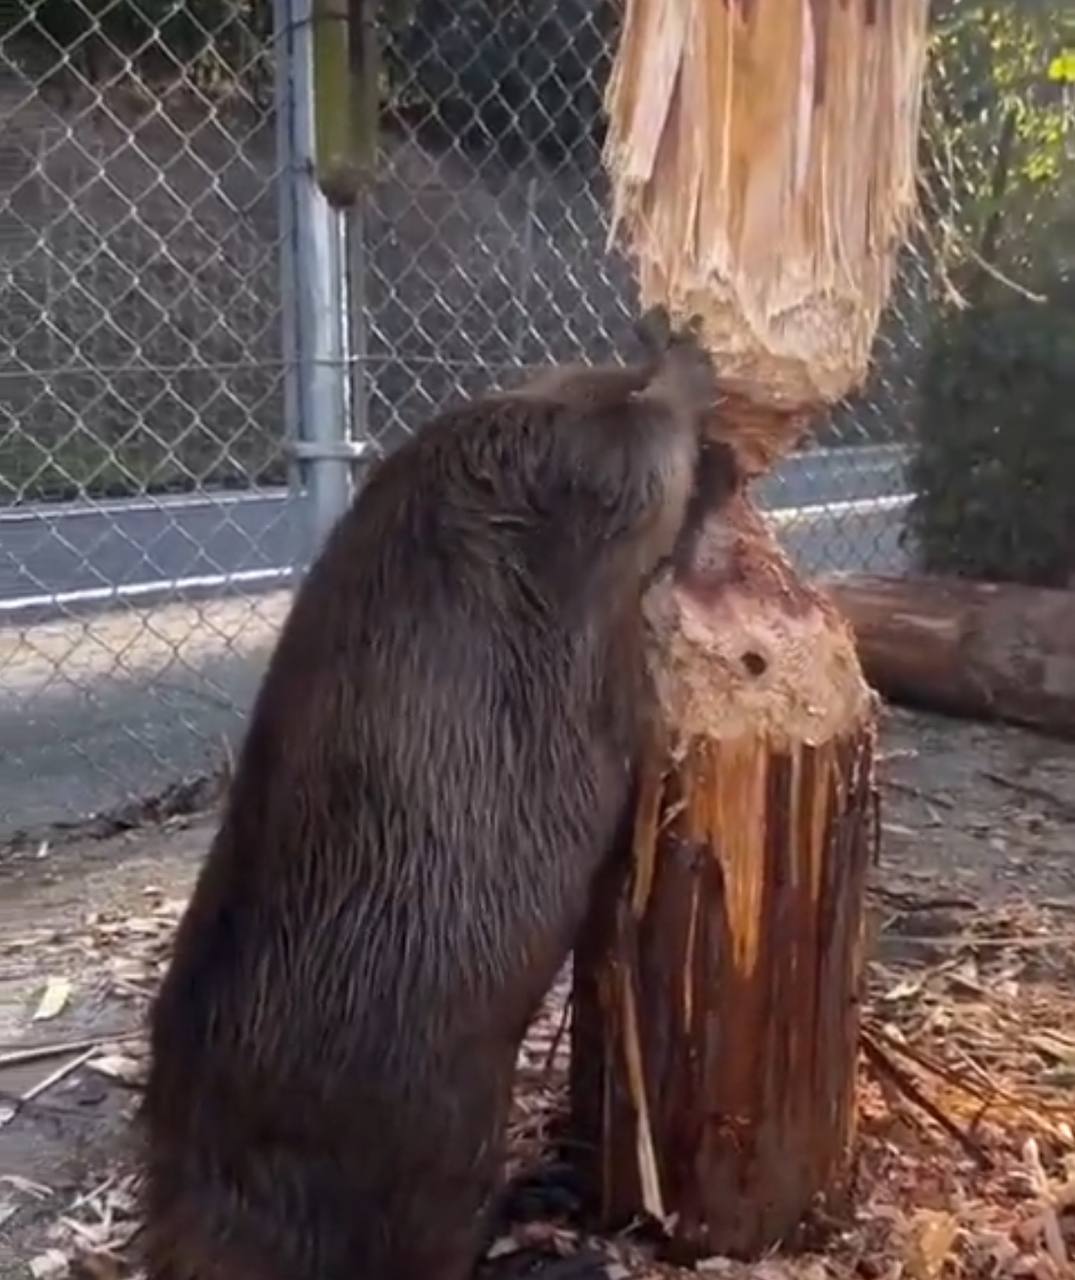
{"points": [[140, 393], [149, 519]]}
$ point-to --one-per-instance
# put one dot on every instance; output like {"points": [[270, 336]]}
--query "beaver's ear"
{"points": [[694, 328], [654, 331]]}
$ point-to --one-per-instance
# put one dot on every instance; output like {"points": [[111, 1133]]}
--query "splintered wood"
{"points": [[762, 163], [762, 156], [745, 912], [716, 1022]]}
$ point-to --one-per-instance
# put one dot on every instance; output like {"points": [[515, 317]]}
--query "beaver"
{"points": [[436, 766]]}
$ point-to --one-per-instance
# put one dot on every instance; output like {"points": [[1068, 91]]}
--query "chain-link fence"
{"points": [[182, 315], [141, 406]]}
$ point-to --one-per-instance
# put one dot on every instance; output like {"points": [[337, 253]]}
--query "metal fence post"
{"points": [[314, 287], [358, 337]]}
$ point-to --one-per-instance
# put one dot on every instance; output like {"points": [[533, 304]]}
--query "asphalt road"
{"points": [[99, 705], [53, 557]]}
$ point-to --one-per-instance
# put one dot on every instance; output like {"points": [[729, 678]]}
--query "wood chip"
{"points": [[53, 999], [50, 1265]]}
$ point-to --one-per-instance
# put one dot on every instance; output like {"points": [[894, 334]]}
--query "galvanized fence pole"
{"points": [[314, 288], [358, 337]]}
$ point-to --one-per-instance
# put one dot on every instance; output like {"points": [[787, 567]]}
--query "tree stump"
{"points": [[716, 993]]}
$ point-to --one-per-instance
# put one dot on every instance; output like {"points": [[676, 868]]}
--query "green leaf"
{"points": [[1062, 67]]}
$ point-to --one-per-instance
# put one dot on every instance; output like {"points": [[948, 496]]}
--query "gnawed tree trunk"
{"points": [[973, 648], [716, 1009], [762, 164]]}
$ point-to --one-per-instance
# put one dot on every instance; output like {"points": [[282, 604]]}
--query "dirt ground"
{"points": [[967, 1153]]}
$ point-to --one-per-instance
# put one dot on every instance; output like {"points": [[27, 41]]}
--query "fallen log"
{"points": [[979, 649]]}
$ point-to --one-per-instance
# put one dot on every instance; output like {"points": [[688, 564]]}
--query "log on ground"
{"points": [[984, 650]]}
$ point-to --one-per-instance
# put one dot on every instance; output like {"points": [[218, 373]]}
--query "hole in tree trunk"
{"points": [[754, 663]]}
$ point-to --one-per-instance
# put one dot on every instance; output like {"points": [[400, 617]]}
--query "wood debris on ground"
{"points": [[966, 1163]]}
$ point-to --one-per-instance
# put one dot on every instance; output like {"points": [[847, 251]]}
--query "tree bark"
{"points": [[973, 648], [716, 989], [762, 173]]}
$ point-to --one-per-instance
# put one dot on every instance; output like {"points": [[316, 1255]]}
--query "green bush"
{"points": [[994, 470]]}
